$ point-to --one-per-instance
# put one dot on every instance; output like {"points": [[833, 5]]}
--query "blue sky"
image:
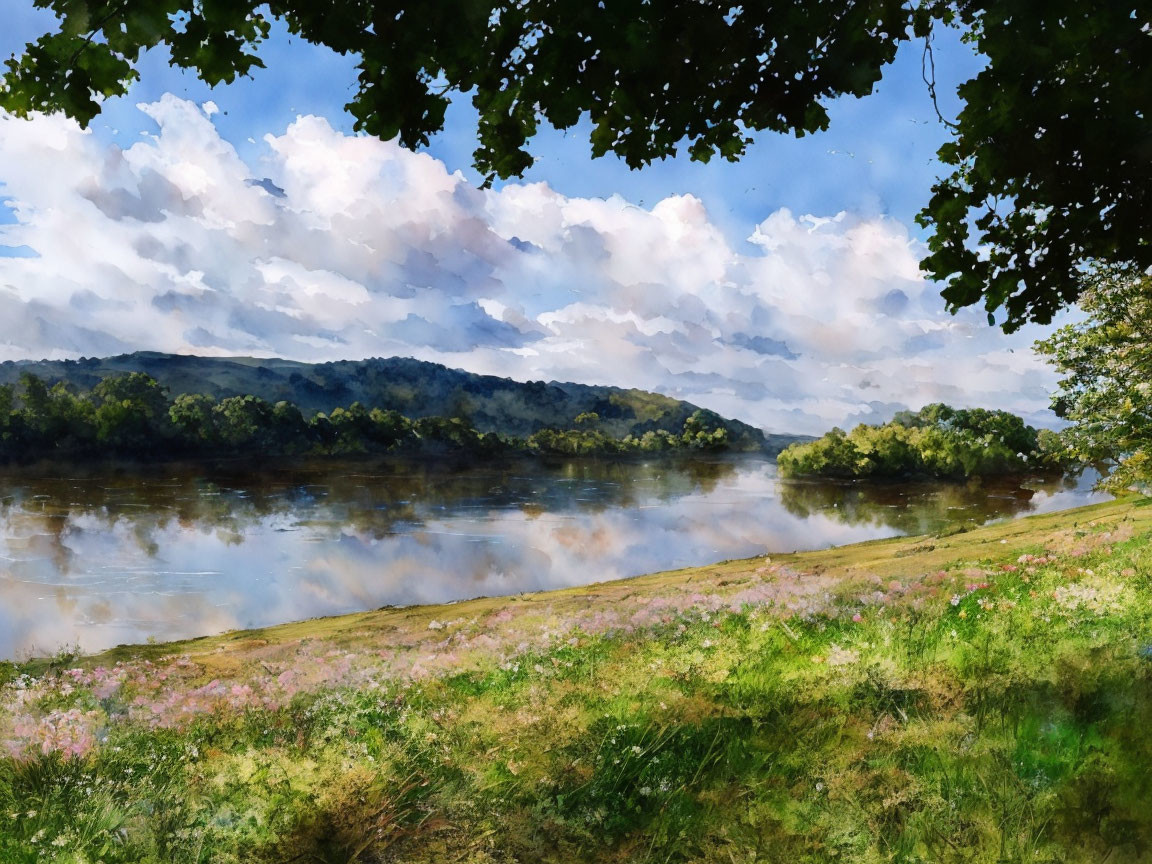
{"points": [[782, 289], [877, 158]]}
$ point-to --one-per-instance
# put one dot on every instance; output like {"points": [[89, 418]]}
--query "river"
{"points": [[100, 557]]}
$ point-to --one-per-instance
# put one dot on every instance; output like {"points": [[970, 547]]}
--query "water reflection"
{"points": [[927, 507], [112, 557]]}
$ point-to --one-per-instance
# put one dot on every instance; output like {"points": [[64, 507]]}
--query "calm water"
{"points": [[117, 557]]}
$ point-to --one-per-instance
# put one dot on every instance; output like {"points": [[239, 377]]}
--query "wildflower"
{"points": [[1099, 598], [955, 601], [857, 618], [963, 613], [842, 656]]}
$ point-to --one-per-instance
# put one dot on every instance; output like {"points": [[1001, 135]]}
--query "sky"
{"points": [[250, 220]]}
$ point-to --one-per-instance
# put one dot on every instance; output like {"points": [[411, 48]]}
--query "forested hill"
{"points": [[413, 387]]}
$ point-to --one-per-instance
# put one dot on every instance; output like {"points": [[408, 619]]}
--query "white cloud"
{"points": [[343, 247]]}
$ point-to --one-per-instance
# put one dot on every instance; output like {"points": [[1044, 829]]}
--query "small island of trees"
{"points": [[937, 441]]}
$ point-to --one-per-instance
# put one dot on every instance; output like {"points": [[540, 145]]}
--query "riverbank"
{"points": [[128, 557], [982, 696]]}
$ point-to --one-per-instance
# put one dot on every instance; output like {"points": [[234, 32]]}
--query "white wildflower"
{"points": [[838, 656]]}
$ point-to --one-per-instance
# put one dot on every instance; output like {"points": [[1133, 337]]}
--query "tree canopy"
{"points": [[1049, 157], [1106, 361], [936, 441], [130, 415]]}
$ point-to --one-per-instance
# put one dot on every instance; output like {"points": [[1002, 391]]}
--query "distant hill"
{"points": [[413, 387]]}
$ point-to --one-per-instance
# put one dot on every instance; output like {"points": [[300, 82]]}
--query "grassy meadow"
{"points": [[981, 697]]}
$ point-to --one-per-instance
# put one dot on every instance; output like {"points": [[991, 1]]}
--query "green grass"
{"points": [[913, 700]]}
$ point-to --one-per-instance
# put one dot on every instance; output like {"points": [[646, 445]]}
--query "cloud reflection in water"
{"points": [[104, 559]]}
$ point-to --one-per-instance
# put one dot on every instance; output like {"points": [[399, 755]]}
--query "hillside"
{"points": [[976, 698], [414, 388]]}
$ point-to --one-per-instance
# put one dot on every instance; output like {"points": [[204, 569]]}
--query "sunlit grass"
{"points": [[982, 697]]}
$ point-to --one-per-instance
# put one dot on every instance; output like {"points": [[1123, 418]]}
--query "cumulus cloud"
{"points": [[338, 246]]}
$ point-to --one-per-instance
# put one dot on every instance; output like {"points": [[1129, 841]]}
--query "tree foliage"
{"points": [[1106, 361], [703, 430], [637, 69], [130, 416], [1049, 157], [937, 441], [405, 387]]}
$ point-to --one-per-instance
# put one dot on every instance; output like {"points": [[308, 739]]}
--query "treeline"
{"points": [[131, 416], [937, 441], [412, 387]]}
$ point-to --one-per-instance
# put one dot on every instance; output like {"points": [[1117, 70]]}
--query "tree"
{"points": [[7, 403], [390, 429], [243, 422], [833, 455], [131, 411], [353, 427], [193, 416], [890, 447], [36, 406], [1049, 157], [573, 442], [451, 433], [289, 428], [703, 431], [936, 441], [587, 420], [322, 432], [50, 418], [1106, 361]]}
